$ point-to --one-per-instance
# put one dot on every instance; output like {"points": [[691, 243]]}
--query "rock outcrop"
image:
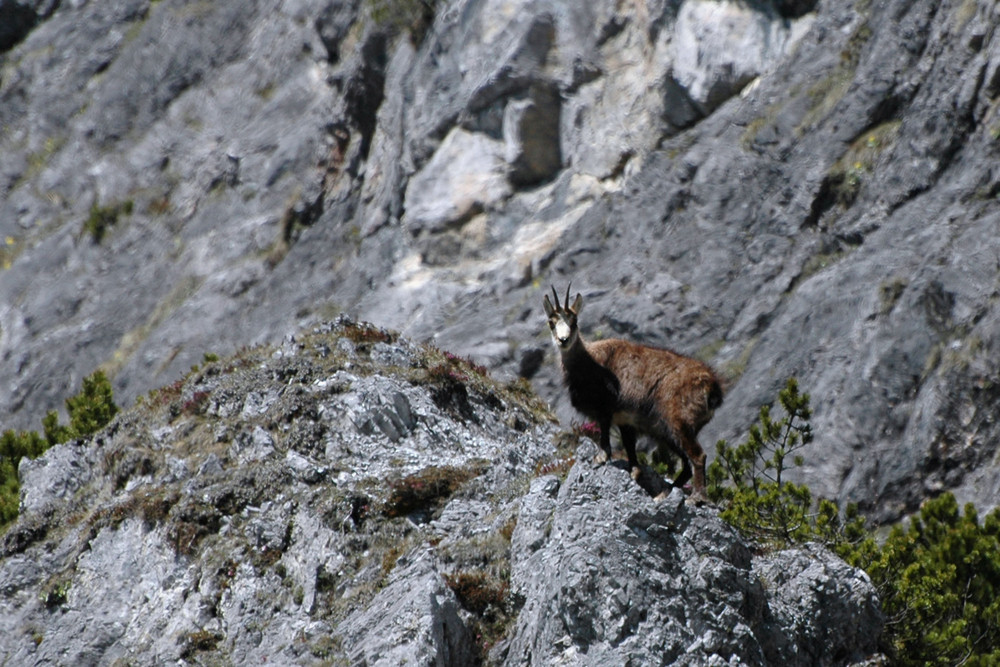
{"points": [[609, 576], [781, 187], [350, 497]]}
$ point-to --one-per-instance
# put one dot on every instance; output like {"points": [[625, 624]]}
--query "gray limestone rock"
{"points": [[414, 620], [610, 576], [291, 533], [783, 188]]}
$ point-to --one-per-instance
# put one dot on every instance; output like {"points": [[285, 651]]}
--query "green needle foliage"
{"points": [[14, 445], [749, 481], [938, 578], [939, 581], [89, 411]]}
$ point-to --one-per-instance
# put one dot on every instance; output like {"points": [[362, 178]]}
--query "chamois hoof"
{"points": [[636, 473], [698, 499], [600, 458]]}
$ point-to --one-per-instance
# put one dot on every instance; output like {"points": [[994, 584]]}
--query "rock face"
{"points": [[349, 497], [609, 576], [781, 187]]}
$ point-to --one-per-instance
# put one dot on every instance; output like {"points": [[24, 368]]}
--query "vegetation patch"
{"points": [[54, 593], [190, 523], [755, 126], [938, 577], [939, 582], [709, 351], [124, 463], [750, 480], [480, 579], [487, 598], [38, 160], [89, 411], [23, 534], [363, 332], [450, 393], [397, 16], [198, 641], [197, 404], [889, 293], [14, 445], [424, 491], [733, 369], [103, 218], [151, 506], [825, 94], [559, 467], [370, 556], [456, 384], [477, 590], [847, 175], [9, 252]]}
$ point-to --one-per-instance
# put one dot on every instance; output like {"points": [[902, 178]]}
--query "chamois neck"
{"points": [[577, 355]]}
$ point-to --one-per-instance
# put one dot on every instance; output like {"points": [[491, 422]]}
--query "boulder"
{"points": [[610, 576], [466, 175]]}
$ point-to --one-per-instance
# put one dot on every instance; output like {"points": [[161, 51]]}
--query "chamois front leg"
{"points": [[628, 443], [604, 455]]}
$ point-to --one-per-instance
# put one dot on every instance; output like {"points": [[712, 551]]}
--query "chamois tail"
{"points": [[714, 395]]}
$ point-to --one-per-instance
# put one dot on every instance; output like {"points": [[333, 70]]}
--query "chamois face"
{"points": [[563, 320]]}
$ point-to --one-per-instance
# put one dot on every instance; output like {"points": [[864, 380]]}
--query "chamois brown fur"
{"points": [[639, 389]]}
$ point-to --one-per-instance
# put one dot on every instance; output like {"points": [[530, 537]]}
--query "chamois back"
{"points": [[682, 390]]}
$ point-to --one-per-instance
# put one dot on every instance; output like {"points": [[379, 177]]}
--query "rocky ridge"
{"points": [[349, 497]]}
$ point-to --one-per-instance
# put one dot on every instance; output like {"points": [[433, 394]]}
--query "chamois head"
{"points": [[562, 319]]}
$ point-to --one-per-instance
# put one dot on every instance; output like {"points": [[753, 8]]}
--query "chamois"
{"points": [[639, 389]]}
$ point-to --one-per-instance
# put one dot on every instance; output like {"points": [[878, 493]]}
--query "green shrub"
{"points": [[14, 446], [938, 578], [750, 481], [89, 411], [939, 581]]}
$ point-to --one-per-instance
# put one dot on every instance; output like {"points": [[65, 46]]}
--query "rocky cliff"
{"points": [[348, 497], [779, 187]]}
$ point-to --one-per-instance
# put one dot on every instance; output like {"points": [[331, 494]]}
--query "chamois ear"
{"points": [[577, 304], [549, 310]]}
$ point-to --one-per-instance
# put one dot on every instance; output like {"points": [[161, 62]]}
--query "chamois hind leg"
{"points": [[628, 444], [667, 445], [696, 455], [604, 455]]}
